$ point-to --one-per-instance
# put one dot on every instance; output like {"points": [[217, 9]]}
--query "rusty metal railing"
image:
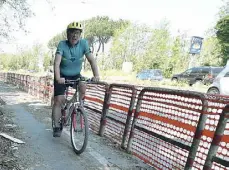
{"points": [[218, 137], [120, 115], [148, 128]]}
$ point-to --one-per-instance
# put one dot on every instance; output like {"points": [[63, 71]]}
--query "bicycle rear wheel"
{"points": [[79, 130]]}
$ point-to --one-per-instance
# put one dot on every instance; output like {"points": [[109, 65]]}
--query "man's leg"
{"points": [[59, 99], [56, 110]]}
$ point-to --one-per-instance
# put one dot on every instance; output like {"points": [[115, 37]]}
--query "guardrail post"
{"points": [[217, 138], [197, 137], [129, 115], [38, 87], [15, 78], [21, 82], [9, 78], [26, 83], [106, 103], [29, 84], [136, 113]]}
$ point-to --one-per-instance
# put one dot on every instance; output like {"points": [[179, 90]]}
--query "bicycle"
{"points": [[73, 114]]}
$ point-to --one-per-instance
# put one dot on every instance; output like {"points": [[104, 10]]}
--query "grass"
{"points": [[117, 76]]}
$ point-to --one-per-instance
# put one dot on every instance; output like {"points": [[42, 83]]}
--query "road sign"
{"points": [[196, 44]]}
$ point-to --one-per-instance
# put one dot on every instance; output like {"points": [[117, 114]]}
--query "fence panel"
{"points": [[216, 104], [164, 126], [118, 114], [94, 103]]}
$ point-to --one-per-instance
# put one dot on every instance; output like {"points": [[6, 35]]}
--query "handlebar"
{"points": [[81, 79]]}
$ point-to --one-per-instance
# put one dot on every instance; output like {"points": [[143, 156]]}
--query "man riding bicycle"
{"points": [[67, 66]]}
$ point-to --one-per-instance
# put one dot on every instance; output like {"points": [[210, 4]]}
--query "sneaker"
{"points": [[57, 132]]}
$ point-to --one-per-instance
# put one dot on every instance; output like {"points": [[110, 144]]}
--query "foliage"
{"points": [[98, 29], [222, 33], [47, 60], [128, 44], [224, 9], [158, 51], [178, 61], [26, 60], [53, 43], [13, 16], [146, 48], [210, 55]]}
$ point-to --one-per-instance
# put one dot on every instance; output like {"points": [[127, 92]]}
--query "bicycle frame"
{"points": [[66, 109], [72, 103]]}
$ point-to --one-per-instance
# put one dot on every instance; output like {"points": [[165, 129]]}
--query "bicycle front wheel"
{"points": [[79, 130]]}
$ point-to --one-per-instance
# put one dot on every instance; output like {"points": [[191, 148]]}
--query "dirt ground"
{"points": [[9, 158]]}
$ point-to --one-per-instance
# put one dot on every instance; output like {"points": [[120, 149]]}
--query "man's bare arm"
{"points": [[57, 66], [93, 64]]}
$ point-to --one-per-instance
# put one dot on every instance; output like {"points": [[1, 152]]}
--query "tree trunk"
{"points": [[98, 48], [103, 47]]}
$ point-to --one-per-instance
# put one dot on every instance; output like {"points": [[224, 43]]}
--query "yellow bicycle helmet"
{"points": [[75, 25]]}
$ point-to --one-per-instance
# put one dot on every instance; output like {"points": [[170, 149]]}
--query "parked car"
{"points": [[220, 84], [205, 74], [153, 74]]}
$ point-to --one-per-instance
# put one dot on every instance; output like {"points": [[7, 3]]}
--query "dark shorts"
{"points": [[59, 89]]}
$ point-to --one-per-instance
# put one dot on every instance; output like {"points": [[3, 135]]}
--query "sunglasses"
{"points": [[78, 32]]}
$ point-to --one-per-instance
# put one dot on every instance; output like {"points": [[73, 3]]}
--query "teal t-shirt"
{"points": [[72, 57]]}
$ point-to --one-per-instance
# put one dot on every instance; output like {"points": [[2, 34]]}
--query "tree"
{"points": [[129, 44], [5, 60], [145, 47], [176, 60], [47, 60], [13, 16], [159, 48], [210, 54], [100, 29], [222, 34], [224, 10], [222, 31], [53, 43], [26, 60], [97, 30]]}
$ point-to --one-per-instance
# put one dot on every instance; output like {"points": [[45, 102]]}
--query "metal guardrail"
{"points": [[218, 137], [95, 102], [120, 115], [154, 118]]}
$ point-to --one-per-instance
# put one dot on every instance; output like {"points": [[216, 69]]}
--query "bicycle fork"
{"points": [[77, 119]]}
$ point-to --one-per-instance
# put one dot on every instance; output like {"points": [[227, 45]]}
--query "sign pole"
{"points": [[191, 61]]}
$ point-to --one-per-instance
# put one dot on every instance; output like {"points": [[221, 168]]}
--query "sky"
{"points": [[194, 16]]}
